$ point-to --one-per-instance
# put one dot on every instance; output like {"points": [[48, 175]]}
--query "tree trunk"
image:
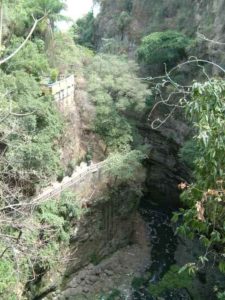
{"points": [[1, 23], [106, 149]]}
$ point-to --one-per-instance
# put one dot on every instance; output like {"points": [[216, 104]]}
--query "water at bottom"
{"points": [[163, 247]]}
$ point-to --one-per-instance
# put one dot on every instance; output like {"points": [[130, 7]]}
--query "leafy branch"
{"points": [[36, 21]]}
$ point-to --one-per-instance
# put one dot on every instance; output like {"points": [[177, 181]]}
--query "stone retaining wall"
{"points": [[62, 91]]}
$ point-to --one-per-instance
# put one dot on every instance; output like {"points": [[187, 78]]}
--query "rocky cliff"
{"points": [[108, 246], [165, 169], [130, 20], [126, 22]]}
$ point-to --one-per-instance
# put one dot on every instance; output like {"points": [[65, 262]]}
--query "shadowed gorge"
{"points": [[112, 143]]}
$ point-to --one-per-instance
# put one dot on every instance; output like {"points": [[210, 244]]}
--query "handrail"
{"points": [[56, 191], [77, 178]]}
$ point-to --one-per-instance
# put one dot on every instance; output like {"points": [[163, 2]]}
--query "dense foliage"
{"points": [[123, 21], [31, 128], [124, 167], [35, 244], [115, 91], [171, 280], [84, 30], [167, 47], [206, 196], [35, 237], [64, 56]]}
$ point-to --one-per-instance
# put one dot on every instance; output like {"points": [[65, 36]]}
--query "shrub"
{"points": [[115, 90], [84, 30], [137, 282], [163, 47], [123, 20], [8, 277], [171, 280], [189, 152], [54, 75], [204, 217]]}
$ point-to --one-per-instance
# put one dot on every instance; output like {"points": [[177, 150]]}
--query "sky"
{"points": [[78, 8], [75, 10]]}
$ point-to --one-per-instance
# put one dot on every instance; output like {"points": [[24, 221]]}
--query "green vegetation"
{"points": [[221, 295], [30, 128], [168, 47], [43, 240], [113, 295], [31, 59], [59, 215], [189, 152], [8, 277], [124, 166], [170, 281], [115, 91], [84, 31], [123, 21], [35, 236], [117, 94], [138, 282], [64, 56], [95, 259], [205, 198]]}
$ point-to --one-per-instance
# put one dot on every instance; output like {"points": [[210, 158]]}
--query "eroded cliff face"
{"points": [[130, 20], [165, 169], [127, 22], [107, 231], [108, 247], [106, 227]]}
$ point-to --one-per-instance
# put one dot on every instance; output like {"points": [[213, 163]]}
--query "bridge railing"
{"points": [[74, 179], [56, 191]]}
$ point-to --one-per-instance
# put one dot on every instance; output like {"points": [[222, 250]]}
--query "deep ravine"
{"points": [[163, 246]]}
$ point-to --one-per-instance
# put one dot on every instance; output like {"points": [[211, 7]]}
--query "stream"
{"points": [[163, 247]]}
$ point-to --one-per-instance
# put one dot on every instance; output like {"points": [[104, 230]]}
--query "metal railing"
{"points": [[76, 178]]}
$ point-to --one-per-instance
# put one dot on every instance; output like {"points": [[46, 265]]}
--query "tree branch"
{"points": [[4, 60], [203, 37], [178, 88]]}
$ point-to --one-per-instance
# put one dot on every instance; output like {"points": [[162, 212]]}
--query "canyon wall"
{"points": [[107, 248], [126, 22], [130, 20]]}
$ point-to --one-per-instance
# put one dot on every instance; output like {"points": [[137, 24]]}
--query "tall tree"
{"points": [[52, 9], [84, 30]]}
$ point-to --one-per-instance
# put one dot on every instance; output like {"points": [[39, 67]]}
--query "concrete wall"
{"points": [[62, 91]]}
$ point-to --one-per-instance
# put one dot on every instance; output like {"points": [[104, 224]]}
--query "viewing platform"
{"points": [[61, 90]]}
